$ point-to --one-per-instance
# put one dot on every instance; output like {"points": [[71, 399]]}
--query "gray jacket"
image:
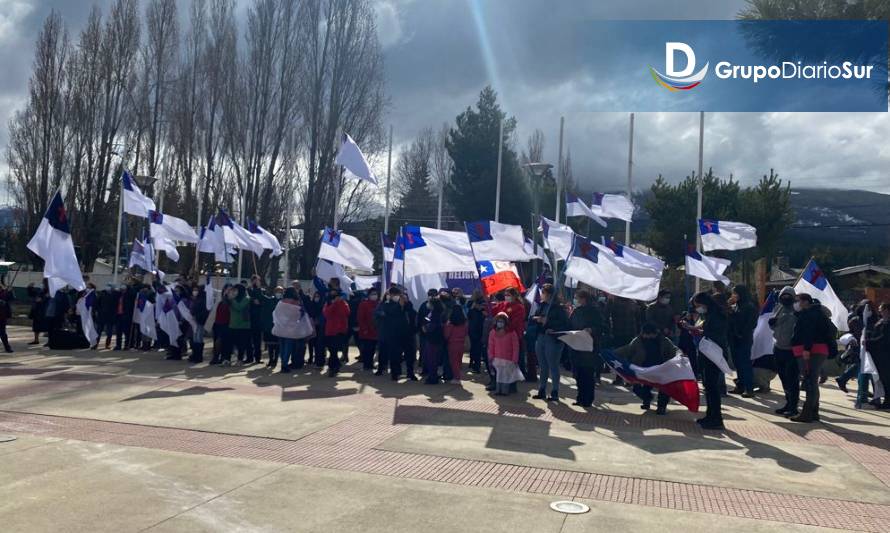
{"points": [[782, 323]]}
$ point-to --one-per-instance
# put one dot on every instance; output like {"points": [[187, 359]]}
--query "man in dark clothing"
{"points": [[200, 313], [661, 313], [395, 328], [257, 296], [107, 313], [649, 348], [878, 344], [742, 322], [475, 329], [586, 316], [422, 313], [624, 320], [125, 303], [810, 345]]}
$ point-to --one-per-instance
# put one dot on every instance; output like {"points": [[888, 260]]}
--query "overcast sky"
{"points": [[440, 53]]}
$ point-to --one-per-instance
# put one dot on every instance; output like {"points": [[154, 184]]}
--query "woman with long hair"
{"points": [[551, 317]]}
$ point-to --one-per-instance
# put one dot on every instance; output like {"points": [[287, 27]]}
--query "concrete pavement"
{"points": [[126, 441]]}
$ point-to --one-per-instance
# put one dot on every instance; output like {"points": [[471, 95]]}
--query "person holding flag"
{"points": [[586, 316], [550, 318], [743, 320], [647, 350], [878, 345], [715, 326]]}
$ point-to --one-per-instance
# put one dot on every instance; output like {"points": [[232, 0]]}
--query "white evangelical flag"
{"points": [[575, 207], [706, 267], [326, 270], [52, 242], [345, 250], [714, 353], [141, 256], [270, 242], [579, 340], [135, 203], [813, 282], [536, 251], [237, 236], [764, 342], [163, 244], [558, 238], [597, 266], [493, 241], [143, 314], [726, 235], [353, 160], [85, 310], [433, 251], [170, 227], [867, 361], [213, 242], [633, 256], [168, 319], [612, 206]]}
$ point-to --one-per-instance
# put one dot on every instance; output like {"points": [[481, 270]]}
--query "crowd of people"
{"points": [[509, 338]]}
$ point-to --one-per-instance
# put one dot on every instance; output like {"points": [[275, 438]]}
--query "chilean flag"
{"points": [[674, 377], [497, 276]]}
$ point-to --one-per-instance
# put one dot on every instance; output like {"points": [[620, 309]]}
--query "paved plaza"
{"points": [[126, 441]]}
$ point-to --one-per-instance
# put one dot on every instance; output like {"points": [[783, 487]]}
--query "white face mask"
{"points": [[701, 309], [601, 299], [194, 293], [500, 325], [797, 306], [373, 297], [576, 302], [508, 299], [664, 301]]}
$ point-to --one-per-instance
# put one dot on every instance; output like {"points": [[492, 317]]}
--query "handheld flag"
{"points": [[236, 236], [163, 244], [558, 238], [536, 252], [764, 342], [213, 242], [673, 377], [345, 250], [632, 256], [497, 276], [813, 282], [598, 267], [270, 242], [705, 267], [170, 227], [353, 160], [433, 251], [726, 235], [612, 206], [135, 203], [575, 207], [140, 256], [52, 242], [325, 270], [85, 305], [493, 241], [714, 353]]}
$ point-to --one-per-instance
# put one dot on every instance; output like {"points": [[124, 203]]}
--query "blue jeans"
{"points": [[286, 346], [549, 352], [741, 358]]}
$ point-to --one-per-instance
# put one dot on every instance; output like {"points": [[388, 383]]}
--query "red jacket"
{"points": [[516, 313], [367, 329], [336, 318]]}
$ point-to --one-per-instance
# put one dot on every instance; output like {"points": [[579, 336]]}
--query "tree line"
{"points": [[207, 116]]}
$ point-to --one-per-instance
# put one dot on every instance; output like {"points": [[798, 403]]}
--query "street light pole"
{"points": [[700, 185]]}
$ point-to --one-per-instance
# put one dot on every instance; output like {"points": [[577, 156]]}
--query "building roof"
{"points": [[858, 269]]}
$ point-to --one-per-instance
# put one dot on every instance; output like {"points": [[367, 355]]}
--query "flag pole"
{"points": [[497, 194], [198, 226], [388, 176], [336, 175], [120, 223], [630, 163], [699, 188], [439, 208], [559, 169], [239, 248]]}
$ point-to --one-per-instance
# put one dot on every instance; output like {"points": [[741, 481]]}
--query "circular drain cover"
{"points": [[6, 438], [568, 507]]}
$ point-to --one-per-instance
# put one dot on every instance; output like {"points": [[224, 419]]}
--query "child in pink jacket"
{"points": [[503, 354]]}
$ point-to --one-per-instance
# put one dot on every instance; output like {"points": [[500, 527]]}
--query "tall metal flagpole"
{"points": [[337, 177], [239, 248], [286, 250], [120, 223], [497, 194], [559, 169], [388, 176], [701, 148], [630, 164], [198, 225], [439, 208]]}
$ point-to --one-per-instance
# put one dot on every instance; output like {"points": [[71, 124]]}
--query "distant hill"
{"points": [[841, 217]]}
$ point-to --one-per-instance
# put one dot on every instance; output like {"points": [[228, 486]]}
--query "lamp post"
{"points": [[536, 172]]}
